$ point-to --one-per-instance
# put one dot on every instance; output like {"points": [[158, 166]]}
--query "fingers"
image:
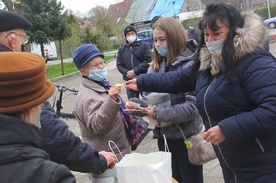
{"points": [[214, 135], [132, 81], [131, 87], [110, 158]]}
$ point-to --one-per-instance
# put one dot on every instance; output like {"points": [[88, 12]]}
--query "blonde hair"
{"points": [[176, 38]]}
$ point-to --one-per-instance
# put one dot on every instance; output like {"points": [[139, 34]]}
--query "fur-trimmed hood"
{"points": [[252, 37]]}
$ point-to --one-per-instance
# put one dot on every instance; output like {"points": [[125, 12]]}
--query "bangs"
{"points": [[212, 22]]}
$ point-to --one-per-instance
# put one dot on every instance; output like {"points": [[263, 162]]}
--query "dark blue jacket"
{"points": [[243, 104], [136, 57], [243, 107], [65, 148], [21, 159]]}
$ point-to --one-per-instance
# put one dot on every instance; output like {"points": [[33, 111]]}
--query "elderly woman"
{"points": [[98, 103], [23, 88], [235, 92]]}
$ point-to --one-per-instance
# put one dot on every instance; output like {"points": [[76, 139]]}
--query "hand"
{"points": [[130, 74], [131, 108], [132, 81], [110, 158], [149, 112], [114, 92], [131, 84], [214, 135]]}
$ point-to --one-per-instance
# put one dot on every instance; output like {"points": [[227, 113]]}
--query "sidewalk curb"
{"points": [[74, 73], [65, 76]]}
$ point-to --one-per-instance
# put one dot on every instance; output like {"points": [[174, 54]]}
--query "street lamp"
{"points": [[268, 8]]}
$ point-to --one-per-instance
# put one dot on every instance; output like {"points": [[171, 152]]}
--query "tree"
{"points": [[61, 32], [45, 17], [101, 26]]}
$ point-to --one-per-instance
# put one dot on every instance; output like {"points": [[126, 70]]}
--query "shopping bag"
{"points": [[136, 127], [153, 167], [138, 130]]}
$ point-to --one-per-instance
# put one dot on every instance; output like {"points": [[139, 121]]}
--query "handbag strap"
{"points": [[109, 144], [181, 132], [187, 142]]}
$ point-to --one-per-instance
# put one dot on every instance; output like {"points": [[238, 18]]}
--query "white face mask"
{"points": [[131, 39], [215, 45]]}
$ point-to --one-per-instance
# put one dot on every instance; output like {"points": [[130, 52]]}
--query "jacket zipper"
{"points": [[259, 143], [131, 57], [209, 121]]}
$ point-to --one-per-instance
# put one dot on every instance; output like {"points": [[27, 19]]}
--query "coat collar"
{"points": [[250, 38], [93, 85], [15, 131], [4, 48]]}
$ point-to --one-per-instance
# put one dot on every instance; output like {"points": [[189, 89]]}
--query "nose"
{"points": [[157, 43], [209, 39], [101, 66]]}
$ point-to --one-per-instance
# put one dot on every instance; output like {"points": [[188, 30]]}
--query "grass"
{"points": [[54, 71]]}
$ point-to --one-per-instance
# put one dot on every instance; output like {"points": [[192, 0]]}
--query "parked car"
{"points": [[271, 23], [147, 36]]}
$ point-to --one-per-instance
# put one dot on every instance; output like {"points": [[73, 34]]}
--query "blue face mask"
{"points": [[215, 45], [98, 74], [162, 50]]}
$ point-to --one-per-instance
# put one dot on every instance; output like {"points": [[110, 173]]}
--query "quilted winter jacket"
{"points": [[182, 110], [65, 148], [243, 105], [100, 119], [138, 61], [21, 160]]}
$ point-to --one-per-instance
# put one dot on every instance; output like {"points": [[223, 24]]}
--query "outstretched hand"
{"points": [[110, 158], [131, 84]]}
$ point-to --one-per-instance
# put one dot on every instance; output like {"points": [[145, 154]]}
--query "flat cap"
{"points": [[10, 20]]}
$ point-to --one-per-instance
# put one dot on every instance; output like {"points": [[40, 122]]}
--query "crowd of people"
{"points": [[219, 80]]}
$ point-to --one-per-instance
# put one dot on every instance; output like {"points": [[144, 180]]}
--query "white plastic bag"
{"points": [[145, 168]]}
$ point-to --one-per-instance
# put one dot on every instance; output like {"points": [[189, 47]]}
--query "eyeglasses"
{"points": [[26, 38], [98, 65]]}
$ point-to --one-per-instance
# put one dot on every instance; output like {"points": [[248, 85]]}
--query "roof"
{"points": [[119, 11]]}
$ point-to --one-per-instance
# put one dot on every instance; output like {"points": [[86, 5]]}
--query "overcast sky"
{"points": [[84, 5]]}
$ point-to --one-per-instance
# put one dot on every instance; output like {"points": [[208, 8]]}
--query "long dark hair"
{"points": [[232, 18]]}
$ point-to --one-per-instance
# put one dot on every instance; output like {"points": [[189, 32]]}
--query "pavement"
{"points": [[211, 170]]}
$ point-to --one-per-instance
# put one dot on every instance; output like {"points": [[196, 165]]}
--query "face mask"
{"points": [[98, 74], [162, 50], [215, 45], [131, 39]]}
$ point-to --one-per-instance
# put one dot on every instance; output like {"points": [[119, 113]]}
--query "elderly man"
{"points": [[58, 141], [23, 88]]}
